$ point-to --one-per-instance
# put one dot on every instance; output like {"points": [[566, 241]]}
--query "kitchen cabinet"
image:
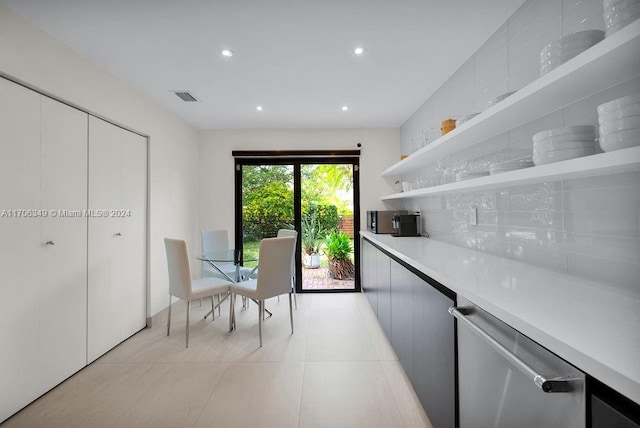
{"points": [[610, 409], [383, 287], [368, 274], [43, 181], [117, 236], [413, 315]]}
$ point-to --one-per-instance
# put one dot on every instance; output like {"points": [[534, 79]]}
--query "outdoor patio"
{"points": [[318, 279]]}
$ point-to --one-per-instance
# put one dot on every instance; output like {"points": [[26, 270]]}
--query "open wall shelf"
{"points": [[600, 164], [613, 60]]}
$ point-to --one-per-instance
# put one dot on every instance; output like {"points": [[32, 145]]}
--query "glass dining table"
{"points": [[218, 260]]}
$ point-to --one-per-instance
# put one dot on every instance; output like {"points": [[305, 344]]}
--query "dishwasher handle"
{"points": [[558, 384]]}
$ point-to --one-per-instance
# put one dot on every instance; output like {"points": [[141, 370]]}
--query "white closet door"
{"points": [[20, 246], [133, 244], [63, 273], [104, 298]]}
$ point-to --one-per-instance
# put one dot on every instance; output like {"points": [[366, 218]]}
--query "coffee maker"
{"points": [[406, 224]]}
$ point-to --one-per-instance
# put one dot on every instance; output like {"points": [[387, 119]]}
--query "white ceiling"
{"points": [[293, 57]]}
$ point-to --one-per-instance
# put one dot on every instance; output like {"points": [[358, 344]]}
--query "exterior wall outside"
{"points": [[586, 227]]}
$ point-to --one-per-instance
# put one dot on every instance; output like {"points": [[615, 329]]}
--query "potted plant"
{"points": [[311, 239], [338, 249]]}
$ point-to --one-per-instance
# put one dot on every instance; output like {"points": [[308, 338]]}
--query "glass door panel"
{"points": [[267, 204], [327, 231]]}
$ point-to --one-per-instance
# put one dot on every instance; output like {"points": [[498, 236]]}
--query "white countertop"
{"points": [[594, 327]]}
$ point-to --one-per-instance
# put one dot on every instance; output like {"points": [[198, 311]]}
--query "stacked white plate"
{"points": [[620, 13], [619, 122], [560, 144], [511, 165], [469, 174], [569, 46]]}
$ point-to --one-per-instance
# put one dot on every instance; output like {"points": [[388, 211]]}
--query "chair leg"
{"points": [[188, 308], [291, 313], [213, 309], [293, 287], [260, 316], [169, 318], [232, 312]]}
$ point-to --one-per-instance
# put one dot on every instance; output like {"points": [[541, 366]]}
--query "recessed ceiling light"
{"points": [[345, 108], [259, 108], [359, 50], [227, 53]]}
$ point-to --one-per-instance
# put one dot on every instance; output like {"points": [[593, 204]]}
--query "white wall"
{"points": [[29, 54], [380, 149]]}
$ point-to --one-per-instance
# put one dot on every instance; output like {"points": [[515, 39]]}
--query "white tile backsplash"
{"points": [[588, 227], [491, 65]]}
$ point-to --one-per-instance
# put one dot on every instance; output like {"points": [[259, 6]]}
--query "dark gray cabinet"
{"points": [[402, 327], [383, 286], [414, 316], [368, 274]]}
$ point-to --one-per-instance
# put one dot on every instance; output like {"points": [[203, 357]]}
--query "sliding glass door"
{"points": [[315, 196]]}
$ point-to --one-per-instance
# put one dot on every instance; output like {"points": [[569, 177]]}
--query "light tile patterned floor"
{"points": [[336, 370], [318, 279]]}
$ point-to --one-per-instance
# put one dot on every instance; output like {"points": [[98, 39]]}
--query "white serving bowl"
{"points": [[542, 146], [620, 102], [569, 46], [623, 124], [556, 132], [560, 155], [619, 16], [620, 140], [629, 110], [574, 136], [609, 3]]}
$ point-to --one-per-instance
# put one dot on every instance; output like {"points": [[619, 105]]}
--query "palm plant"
{"points": [[338, 248]]}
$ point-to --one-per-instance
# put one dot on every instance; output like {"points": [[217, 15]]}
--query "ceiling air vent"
{"points": [[185, 96]]}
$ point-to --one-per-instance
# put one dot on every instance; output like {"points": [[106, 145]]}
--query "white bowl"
{"points": [[543, 146], [555, 132], [619, 16], [619, 103], [560, 155], [574, 136], [569, 46], [624, 124], [610, 3], [624, 111], [620, 140]]}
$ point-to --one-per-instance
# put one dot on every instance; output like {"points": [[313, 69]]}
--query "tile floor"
{"points": [[337, 370]]}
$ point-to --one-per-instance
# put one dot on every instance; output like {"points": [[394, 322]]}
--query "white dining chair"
{"points": [[253, 274], [216, 241], [182, 286], [274, 278], [291, 232]]}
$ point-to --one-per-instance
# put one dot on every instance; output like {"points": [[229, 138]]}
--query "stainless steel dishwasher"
{"points": [[507, 380]]}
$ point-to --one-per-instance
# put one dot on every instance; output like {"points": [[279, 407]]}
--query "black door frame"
{"points": [[296, 159]]}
